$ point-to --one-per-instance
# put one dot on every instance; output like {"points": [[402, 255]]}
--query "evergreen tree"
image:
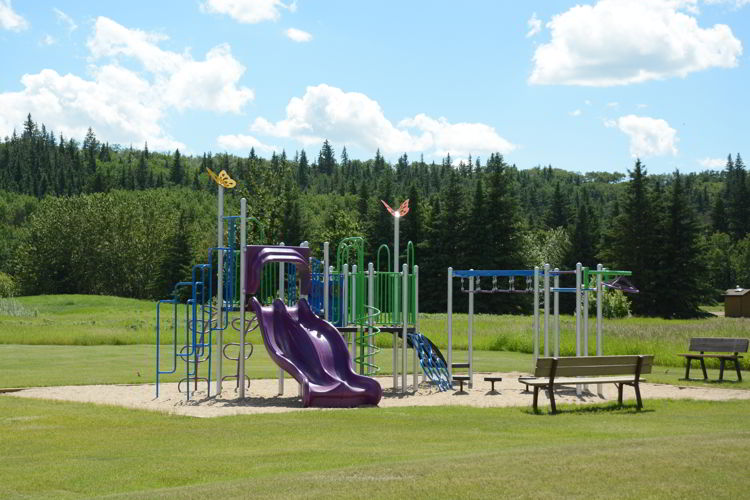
{"points": [[684, 263], [326, 158], [176, 172], [175, 264], [141, 175], [634, 237], [583, 244], [303, 171], [557, 215]]}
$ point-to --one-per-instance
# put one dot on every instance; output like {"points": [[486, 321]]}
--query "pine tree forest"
{"points": [[93, 217]]}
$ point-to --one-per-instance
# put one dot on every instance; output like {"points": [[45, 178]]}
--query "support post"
{"points": [[326, 280], [220, 289], [243, 292], [471, 332], [450, 325], [546, 310], [578, 317], [281, 297], [354, 316], [416, 324], [557, 313], [599, 297], [536, 315], [370, 318], [405, 325]]}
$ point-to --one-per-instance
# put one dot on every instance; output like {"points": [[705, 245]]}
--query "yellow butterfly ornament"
{"points": [[222, 179]]}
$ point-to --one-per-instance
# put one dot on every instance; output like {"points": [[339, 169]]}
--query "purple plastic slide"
{"points": [[313, 352]]}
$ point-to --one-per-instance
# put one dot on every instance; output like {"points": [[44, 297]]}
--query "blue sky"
{"points": [[587, 86]]}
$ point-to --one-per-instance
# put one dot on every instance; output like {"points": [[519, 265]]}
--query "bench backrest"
{"points": [[718, 344], [593, 365]]}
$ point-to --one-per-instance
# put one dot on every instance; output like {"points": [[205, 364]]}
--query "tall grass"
{"points": [[101, 320]]}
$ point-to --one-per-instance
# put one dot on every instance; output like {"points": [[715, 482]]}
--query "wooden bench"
{"points": [[618, 370], [715, 345]]}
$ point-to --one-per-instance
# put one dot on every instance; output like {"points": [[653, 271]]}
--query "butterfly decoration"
{"points": [[402, 210], [222, 179]]}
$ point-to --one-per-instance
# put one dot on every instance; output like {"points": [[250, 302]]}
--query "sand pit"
{"points": [[262, 396]]}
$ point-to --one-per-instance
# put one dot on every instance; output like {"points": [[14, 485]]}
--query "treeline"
{"points": [[100, 218]]}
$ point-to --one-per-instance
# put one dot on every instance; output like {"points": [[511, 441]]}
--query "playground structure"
{"points": [[360, 302], [543, 283]]}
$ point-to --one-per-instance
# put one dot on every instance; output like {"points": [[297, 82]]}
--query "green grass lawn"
{"points": [[674, 449]]}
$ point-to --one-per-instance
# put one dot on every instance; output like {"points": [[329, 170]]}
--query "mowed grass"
{"points": [[673, 449]]}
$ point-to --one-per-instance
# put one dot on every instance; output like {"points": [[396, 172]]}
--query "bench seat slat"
{"points": [[580, 380]]}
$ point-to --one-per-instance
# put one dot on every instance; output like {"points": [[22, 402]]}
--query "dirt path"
{"points": [[262, 396]]}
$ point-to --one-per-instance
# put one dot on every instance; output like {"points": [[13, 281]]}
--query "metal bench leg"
{"points": [[536, 397], [721, 369], [687, 368], [703, 367], [737, 367], [619, 393]]}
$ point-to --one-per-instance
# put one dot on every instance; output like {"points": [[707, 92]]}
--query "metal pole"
{"points": [[326, 278], [397, 218], [405, 326], [599, 297], [370, 309], [471, 331], [281, 297], [354, 315], [220, 288], [345, 295], [578, 317], [416, 324], [536, 315], [546, 310], [450, 324], [557, 313], [243, 264], [585, 315]]}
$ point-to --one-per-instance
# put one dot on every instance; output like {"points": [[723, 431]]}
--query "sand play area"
{"points": [[262, 396]]}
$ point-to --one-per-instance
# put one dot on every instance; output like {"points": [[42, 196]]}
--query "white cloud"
{"points": [[648, 136], [123, 105], [587, 102], [9, 19], [66, 20], [534, 24], [47, 40], [576, 112], [642, 106], [248, 11], [613, 104], [211, 84], [298, 35], [352, 118], [619, 42], [240, 142], [713, 162]]}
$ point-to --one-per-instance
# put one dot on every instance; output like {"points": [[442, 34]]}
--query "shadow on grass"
{"points": [[568, 409]]}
